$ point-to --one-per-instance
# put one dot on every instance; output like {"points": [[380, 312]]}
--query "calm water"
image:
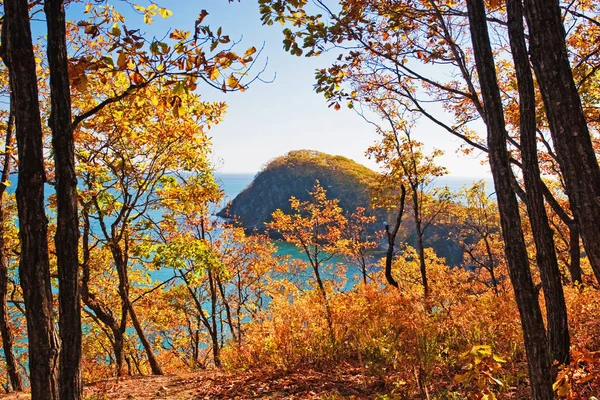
{"points": [[233, 184]]}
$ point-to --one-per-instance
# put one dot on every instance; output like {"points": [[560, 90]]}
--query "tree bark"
{"points": [[574, 253], [121, 266], [5, 330], [34, 267], [570, 134], [104, 314], [516, 253], [556, 309], [420, 246], [67, 229], [391, 237]]}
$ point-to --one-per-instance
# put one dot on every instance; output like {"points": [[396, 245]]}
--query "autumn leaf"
{"points": [[233, 82]]}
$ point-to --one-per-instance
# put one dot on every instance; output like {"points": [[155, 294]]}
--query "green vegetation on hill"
{"points": [[294, 174]]}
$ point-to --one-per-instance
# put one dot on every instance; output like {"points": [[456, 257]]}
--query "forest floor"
{"points": [[348, 383]]}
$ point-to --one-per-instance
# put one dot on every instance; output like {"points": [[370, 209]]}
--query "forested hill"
{"points": [[294, 174]]}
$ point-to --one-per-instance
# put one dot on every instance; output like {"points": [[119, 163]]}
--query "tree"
{"points": [[34, 268], [184, 67], [67, 231], [556, 309], [316, 227], [360, 240], [568, 125], [403, 161], [475, 225], [5, 329], [515, 249], [223, 272], [126, 155]]}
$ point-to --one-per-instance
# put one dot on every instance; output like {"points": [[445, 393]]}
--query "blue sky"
{"points": [[270, 119]]}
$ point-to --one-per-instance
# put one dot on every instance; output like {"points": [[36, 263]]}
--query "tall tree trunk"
{"points": [[154, 365], [214, 332], [7, 336], [556, 309], [574, 253], [34, 267], [121, 265], [420, 246], [391, 238], [67, 229], [515, 250], [206, 320], [104, 314], [568, 126]]}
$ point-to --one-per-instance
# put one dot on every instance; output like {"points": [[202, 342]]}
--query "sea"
{"points": [[234, 183]]}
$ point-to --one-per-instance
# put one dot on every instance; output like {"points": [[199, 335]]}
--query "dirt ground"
{"points": [[306, 384]]}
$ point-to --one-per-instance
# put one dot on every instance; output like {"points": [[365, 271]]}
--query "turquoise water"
{"points": [[233, 184]]}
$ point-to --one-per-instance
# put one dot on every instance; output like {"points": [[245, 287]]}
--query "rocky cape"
{"points": [[353, 184], [295, 174]]}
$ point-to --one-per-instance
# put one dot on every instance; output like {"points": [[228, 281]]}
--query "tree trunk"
{"points": [[568, 126], [574, 253], [104, 314], [34, 267], [67, 229], [121, 266], [118, 348], [556, 309], [7, 336], [420, 246], [515, 250], [391, 237], [5, 330]]}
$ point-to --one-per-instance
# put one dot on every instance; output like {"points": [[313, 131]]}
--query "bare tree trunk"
{"points": [[121, 266], [516, 253], [420, 246], [7, 336], [568, 126], [104, 314], [67, 229], [575, 253], [556, 309], [154, 365], [34, 267], [391, 237]]}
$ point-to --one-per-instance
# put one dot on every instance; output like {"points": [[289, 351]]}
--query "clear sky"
{"points": [[270, 119]]}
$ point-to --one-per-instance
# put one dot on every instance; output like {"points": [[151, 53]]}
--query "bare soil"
{"points": [[348, 383]]}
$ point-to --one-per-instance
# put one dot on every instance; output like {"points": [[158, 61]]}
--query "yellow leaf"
{"points": [[165, 13], [214, 73], [249, 52], [233, 82]]}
